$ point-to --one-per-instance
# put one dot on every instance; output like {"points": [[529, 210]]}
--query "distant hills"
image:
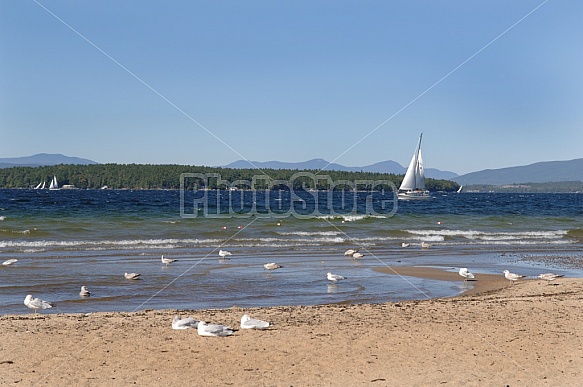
{"points": [[542, 172], [42, 159], [388, 166]]}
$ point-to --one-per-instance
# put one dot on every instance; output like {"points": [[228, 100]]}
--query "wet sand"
{"points": [[528, 333]]}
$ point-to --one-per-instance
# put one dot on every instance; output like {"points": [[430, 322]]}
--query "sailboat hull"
{"points": [[414, 195]]}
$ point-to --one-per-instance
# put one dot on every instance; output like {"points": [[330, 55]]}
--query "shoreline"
{"points": [[527, 333], [482, 284]]}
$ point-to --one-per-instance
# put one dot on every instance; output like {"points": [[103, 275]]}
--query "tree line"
{"points": [[168, 176]]}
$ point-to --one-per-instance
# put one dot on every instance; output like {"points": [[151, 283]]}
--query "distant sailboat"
{"points": [[40, 185], [413, 185], [54, 185], [460, 189]]}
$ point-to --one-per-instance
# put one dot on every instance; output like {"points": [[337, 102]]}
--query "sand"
{"points": [[526, 334]]}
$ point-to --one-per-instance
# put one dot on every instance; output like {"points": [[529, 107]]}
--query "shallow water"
{"points": [[65, 239]]}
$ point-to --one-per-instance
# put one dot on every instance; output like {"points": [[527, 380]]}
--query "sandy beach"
{"points": [[497, 334]]}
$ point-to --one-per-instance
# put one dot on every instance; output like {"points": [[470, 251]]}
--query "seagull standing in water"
{"points": [[334, 277], [511, 276], [210, 330], [167, 261], [271, 266], [9, 262], [224, 253], [252, 323], [132, 276], [84, 292], [37, 303], [350, 252], [466, 274]]}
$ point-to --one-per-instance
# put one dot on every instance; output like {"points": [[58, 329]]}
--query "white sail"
{"points": [[54, 185], [44, 185], [39, 185], [420, 172]]}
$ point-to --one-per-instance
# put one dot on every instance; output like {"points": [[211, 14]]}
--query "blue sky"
{"points": [[355, 82]]}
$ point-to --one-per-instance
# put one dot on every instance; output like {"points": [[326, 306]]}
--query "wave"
{"points": [[490, 236], [351, 218], [309, 233]]}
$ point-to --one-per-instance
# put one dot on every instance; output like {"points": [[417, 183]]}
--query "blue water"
{"points": [[68, 238]]}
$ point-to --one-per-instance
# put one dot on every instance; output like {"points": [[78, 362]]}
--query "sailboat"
{"points": [[413, 185], [40, 185], [54, 185]]}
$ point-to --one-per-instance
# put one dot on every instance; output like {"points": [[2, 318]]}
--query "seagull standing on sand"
{"points": [[466, 274], [210, 330], [132, 276], [184, 323], [167, 261], [252, 323], [549, 276], [334, 277], [224, 253], [84, 292], [511, 276], [37, 303], [271, 266], [9, 262]]}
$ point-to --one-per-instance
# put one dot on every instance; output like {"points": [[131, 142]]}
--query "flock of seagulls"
{"points": [[247, 322], [217, 330], [512, 277]]}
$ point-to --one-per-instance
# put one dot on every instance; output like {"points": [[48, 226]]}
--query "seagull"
{"points": [[36, 303], [334, 277], [466, 274], [271, 266], [511, 276], [205, 329], [549, 276], [84, 292], [132, 276], [357, 255], [350, 252], [224, 253], [252, 323], [167, 261], [425, 245], [9, 262], [405, 244], [184, 323]]}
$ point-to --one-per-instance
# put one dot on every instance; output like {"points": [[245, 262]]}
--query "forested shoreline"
{"points": [[146, 176]]}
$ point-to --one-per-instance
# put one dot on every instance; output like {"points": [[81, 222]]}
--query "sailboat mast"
{"points": [[417, 161]]}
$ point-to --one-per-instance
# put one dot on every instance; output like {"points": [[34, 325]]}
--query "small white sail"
{"points": [[54, 185], [44, 185], [39, 185]]}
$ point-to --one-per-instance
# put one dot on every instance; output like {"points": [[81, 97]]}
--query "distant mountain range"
{"points": [[42, 159], [320, 164], [543, 172]]}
